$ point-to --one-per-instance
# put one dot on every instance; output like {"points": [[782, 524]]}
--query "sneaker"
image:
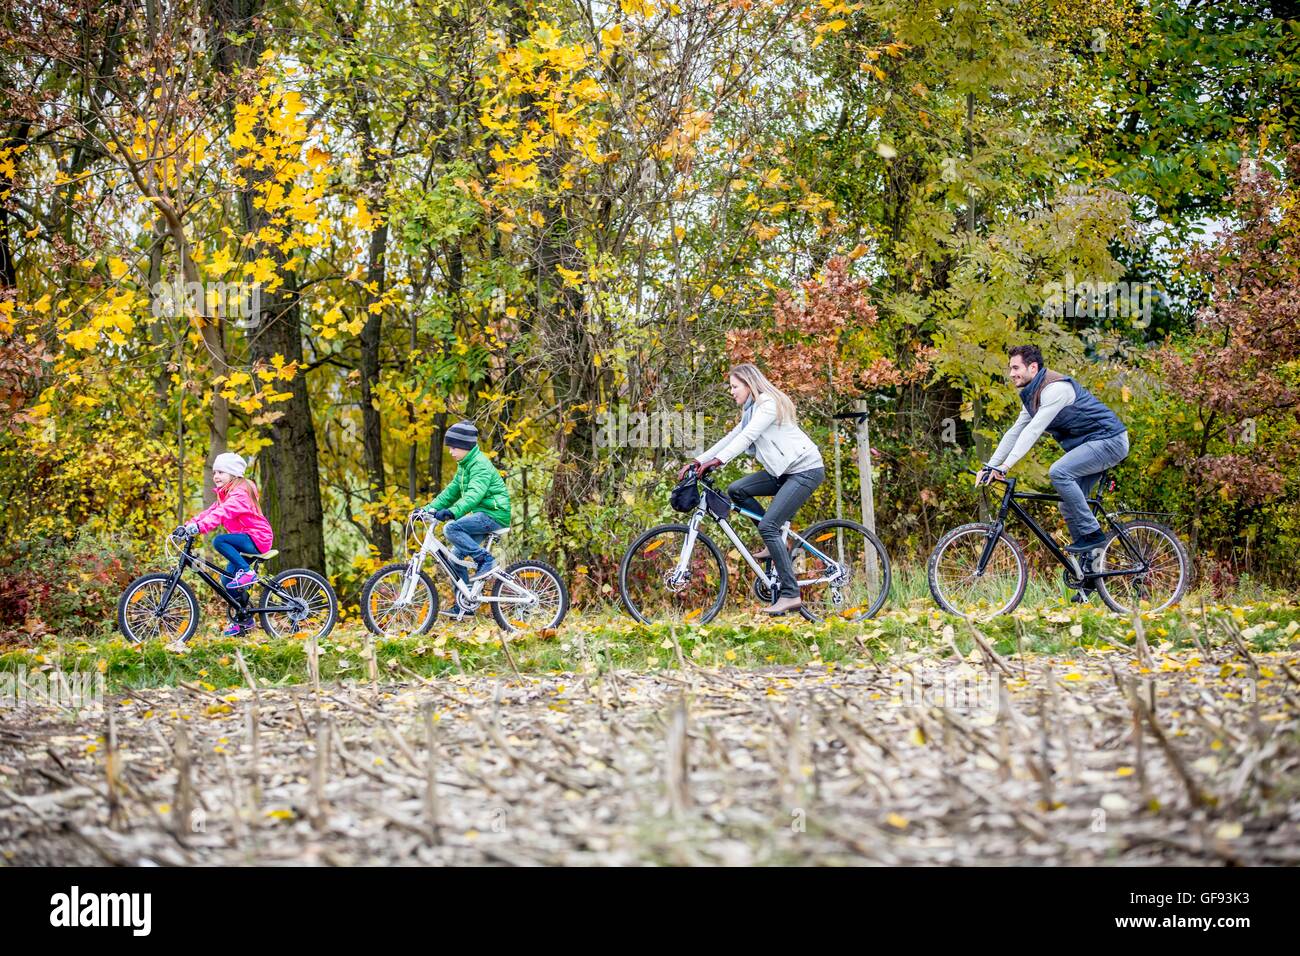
{"points": [[242, 580], [484, 569], [235, 628], [1090, 543], [456, 613]]}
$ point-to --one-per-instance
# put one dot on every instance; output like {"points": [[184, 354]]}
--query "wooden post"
{"points": [[839, 496], [864, 468]]}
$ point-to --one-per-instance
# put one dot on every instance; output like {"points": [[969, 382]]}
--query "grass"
{"points": [[593, 641]]}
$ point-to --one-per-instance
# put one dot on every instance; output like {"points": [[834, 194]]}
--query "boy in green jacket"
{"points": [[475, 504]]}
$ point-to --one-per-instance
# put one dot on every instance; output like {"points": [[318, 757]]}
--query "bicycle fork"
{"points": [[688, 548], [412, 576]]}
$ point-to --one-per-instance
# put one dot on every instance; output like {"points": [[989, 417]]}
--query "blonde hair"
{"points": [[242, 482], [754, 379]]}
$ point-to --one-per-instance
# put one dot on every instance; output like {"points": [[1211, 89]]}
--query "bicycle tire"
{"points": [[508, 624], [368, 612], [1180, 551], [705, 616], [932, 567], [134, 594], [821, 528], [287, 580]]}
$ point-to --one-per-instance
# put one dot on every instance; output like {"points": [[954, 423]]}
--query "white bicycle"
{"points": [[400, 598]]}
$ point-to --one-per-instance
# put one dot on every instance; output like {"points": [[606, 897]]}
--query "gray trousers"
{"points": [[788, 492], [1074, 474]]}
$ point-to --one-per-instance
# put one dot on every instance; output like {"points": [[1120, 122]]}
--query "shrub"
{"points": [[64, 588]]}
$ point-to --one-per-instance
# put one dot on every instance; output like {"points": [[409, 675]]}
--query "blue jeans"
{"points": [[466, 536], [230, 546], [1074, 474]]}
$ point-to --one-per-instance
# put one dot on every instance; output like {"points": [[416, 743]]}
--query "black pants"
{"points": [[788, 492]]}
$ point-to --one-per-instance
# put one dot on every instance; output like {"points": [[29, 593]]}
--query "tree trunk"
{"points": [[288, 466], [371, 426]]}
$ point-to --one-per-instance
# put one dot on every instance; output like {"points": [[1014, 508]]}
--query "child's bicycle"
{"points": [[400, 598], [675, 572], [298, 602]]}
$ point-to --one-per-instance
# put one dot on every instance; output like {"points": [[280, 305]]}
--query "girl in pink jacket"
{"points": [[247, 530]]}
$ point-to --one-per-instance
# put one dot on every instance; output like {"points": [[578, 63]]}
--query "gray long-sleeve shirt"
{"points": [[1021, 436]]}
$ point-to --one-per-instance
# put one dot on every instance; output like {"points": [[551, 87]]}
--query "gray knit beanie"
{"points": [[462, 435]]}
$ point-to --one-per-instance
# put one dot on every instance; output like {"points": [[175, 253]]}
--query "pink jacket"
{"points": [[237, 512]]}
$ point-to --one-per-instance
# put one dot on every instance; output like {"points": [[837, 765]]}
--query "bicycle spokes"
{"points": [[539, 595], [146, 617], [1144, 590], [657, 586], [841, 571], [967, 581], [302, 607], [395, 615]]}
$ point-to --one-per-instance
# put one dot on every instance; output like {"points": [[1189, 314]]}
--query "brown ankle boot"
{"points": [[784, 604]]}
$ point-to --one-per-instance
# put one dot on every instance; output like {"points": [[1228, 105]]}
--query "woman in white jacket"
{"points": [[792, 468]]}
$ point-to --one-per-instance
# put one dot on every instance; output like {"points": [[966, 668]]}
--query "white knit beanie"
{"points": [[231, 464]]}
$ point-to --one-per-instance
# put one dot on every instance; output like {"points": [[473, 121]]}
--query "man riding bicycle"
{"points": [[1092, 435]]}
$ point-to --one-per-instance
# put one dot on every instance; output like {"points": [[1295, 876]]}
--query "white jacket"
{"points": [[780, 449]]}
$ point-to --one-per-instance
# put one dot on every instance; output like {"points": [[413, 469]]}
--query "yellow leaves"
{"points": [[117, 268], [261, 270], [572, 279], [364, 219], [111, 317], [516, 176], [638, 8], [220, 262], [612, 36], [874, 70]]}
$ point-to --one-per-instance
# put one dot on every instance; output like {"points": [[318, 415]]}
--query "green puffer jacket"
{"points": [[476, 486]]}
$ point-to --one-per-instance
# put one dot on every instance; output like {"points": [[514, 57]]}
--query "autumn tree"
{"points": [[1239, 373]]}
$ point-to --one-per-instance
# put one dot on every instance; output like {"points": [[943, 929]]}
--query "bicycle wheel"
{"points": [[858, 571], [141, 613], [1162, 585], [960, 589], [311, 608], [548, 598], [383, 610], [652, 592]]}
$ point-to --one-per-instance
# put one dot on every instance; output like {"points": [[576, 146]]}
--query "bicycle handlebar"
{"points": [[972, 471]]}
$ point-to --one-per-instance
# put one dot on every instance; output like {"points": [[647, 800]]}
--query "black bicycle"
{"points": [[675, 571], [978, 570], [297, 603]]}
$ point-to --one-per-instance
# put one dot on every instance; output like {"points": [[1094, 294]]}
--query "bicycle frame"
{"points": [[433, 546], [702, 511], [200, 564], [1010, 499]]}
